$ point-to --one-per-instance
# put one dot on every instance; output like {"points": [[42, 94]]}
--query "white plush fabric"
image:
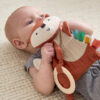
{"points": [[15, 83], [41, 35]]}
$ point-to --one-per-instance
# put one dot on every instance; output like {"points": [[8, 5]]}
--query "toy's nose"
{"points": [[43, 25]]}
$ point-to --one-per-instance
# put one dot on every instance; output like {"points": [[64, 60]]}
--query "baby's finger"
{"points": [[52, 54], [50, 48], [48, 44]]}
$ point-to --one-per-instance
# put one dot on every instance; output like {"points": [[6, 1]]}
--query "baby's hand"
{"points": [[47, 52]]}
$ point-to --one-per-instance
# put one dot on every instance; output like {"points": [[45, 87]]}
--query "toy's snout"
{"points": [[43, 25], [47, 31]]}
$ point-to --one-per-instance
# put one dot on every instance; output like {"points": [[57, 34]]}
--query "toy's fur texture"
{"points": [[73, 57]]}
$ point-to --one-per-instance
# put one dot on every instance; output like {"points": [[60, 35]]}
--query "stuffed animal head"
{"points": [[45, 32]]}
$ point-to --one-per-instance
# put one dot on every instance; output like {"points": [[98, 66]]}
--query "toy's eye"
{"points": [[30, 22], [36, 33], [48, 19]]}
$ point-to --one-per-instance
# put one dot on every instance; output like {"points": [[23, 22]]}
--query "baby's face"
{"points": [[20, 25], [28, 17]]}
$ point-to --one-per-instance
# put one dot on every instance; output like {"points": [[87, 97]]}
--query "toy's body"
{"points": [[77, 58], [73, 57]]}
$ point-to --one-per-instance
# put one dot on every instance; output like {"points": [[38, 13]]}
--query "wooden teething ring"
{"points": [[71, 89]]}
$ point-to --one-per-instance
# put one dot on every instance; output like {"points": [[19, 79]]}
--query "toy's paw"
{"points": [[36, 63], [70, 87], [47, 15]]}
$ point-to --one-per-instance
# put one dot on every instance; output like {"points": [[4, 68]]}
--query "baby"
{"points": [[18, 29]]}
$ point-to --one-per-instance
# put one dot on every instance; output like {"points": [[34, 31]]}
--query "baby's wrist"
{"points": [[45, 61]]}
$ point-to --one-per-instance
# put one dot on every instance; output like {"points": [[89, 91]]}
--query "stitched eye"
{"points": [[36, 33], [30, 22], [48, 19]]}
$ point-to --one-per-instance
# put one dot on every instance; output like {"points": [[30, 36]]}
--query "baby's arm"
{"points": [[43, 78], [80, 26]]}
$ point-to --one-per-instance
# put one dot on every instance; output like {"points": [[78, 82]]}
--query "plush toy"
{"points": [[75, 52]]}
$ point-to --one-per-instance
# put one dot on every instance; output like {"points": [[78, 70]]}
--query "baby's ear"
{"points": [[19, 44], [47, 15]]}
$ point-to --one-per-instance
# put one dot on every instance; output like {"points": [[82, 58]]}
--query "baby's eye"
{"points": [[42, 16], [30, 22]]}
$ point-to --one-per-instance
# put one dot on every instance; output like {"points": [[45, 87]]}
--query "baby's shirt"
{"points": [[88, 85], [30, 61]]}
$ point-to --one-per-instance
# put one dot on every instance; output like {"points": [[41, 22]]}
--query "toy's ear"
{"points": [[66, 29], [19, 44], [47, 15]]}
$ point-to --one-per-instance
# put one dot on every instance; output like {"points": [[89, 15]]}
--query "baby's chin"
{"points": [[31, 49]]}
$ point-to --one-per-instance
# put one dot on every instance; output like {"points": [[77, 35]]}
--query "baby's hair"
{"points": [[9, 25]]}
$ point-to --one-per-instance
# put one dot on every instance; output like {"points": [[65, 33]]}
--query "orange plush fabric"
{"points": [[77, 68], [72, 58]]}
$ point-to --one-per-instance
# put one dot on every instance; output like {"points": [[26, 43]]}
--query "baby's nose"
{"points": [[40, 18]]}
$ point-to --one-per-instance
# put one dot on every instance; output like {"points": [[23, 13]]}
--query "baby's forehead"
{"points": [[29, 9], [24, 12], [18, 17]]}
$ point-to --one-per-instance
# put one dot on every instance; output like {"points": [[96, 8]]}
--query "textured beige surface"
{"points": [[15, 83]]}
